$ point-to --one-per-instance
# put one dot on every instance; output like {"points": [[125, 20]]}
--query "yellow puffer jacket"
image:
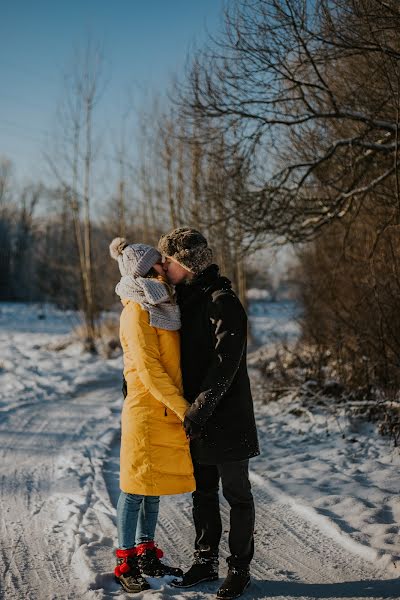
{"points": [[155, 454]]}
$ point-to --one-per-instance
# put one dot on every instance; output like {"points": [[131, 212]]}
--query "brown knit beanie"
{"points": [[188, 247]]}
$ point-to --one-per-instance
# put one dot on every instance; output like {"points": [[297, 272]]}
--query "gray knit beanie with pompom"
{"points": [[188, 247], [133, 259]]}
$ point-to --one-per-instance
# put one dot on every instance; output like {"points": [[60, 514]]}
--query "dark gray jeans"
{"points": [[236, 489]]}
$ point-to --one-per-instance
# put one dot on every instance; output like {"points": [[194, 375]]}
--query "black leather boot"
{"points": [[235, 584], [204, 568]]}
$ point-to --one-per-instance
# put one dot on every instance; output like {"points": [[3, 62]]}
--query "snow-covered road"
{"points": [[59, 465], [51, 456], [59, 469]]}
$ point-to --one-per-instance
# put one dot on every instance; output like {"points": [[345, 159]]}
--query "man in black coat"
{"points": [[220, 421]]}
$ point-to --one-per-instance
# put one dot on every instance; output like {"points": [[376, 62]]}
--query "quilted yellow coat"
{"points": [[155, 456]]}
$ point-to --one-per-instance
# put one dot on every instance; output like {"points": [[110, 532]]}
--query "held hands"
{"points": [[193, 430]]}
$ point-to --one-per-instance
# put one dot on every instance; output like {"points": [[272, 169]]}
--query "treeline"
{"points": [[284, 130]]}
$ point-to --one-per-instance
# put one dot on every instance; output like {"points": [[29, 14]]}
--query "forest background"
{"points": [[282, 132]]}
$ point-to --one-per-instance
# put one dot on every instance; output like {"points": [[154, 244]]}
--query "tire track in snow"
{"points": [[36, 544]]}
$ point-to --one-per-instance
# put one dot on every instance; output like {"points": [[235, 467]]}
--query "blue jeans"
{"points": [[136, 519]]}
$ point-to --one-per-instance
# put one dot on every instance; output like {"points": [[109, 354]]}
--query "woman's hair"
{"points": [[152, 274]]}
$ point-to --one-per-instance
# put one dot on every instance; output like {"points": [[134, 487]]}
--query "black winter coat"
{"points": [[214, 370]]}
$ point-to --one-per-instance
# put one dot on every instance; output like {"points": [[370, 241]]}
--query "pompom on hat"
{"points": [[188, 247], [135, 260]]}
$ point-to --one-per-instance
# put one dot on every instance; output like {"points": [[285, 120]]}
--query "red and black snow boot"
{"points": [[127, 571], [150, 564]]}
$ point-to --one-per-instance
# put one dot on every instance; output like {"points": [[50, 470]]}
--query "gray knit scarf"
{"points": [[153, 296]]}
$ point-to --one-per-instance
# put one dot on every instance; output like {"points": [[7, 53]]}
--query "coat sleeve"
{"points": [[142, 342], [230, 333]]}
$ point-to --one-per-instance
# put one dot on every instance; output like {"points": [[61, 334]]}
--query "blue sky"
{"points": [[145, 42]]}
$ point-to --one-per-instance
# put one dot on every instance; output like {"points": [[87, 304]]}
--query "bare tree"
{"points": [[17, 236], [83, 91], [5, 227], [309, 94], [202, 182], [5, 181]]}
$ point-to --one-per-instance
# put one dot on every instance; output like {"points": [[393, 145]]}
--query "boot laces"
{"points": [[201, 559]]}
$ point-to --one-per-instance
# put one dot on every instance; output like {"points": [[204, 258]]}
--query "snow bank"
{"points": [[337, 472], [39, 360]]}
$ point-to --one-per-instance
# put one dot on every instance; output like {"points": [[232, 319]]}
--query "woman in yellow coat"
{"points": [[155, 456]]}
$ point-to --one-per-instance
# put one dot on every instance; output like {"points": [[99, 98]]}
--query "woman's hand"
{"points": [[193, 430]]}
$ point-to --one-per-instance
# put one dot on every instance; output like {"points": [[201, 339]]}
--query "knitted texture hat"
{"points": [[133, 259], [188, 247]]}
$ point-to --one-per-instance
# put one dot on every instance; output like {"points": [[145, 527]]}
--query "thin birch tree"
{"points": [[73, 167]]}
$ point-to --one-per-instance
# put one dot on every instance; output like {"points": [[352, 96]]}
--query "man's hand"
{"points": [[193, 430]]}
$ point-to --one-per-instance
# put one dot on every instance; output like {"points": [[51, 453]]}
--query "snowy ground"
{"points": [[326, 488]]}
